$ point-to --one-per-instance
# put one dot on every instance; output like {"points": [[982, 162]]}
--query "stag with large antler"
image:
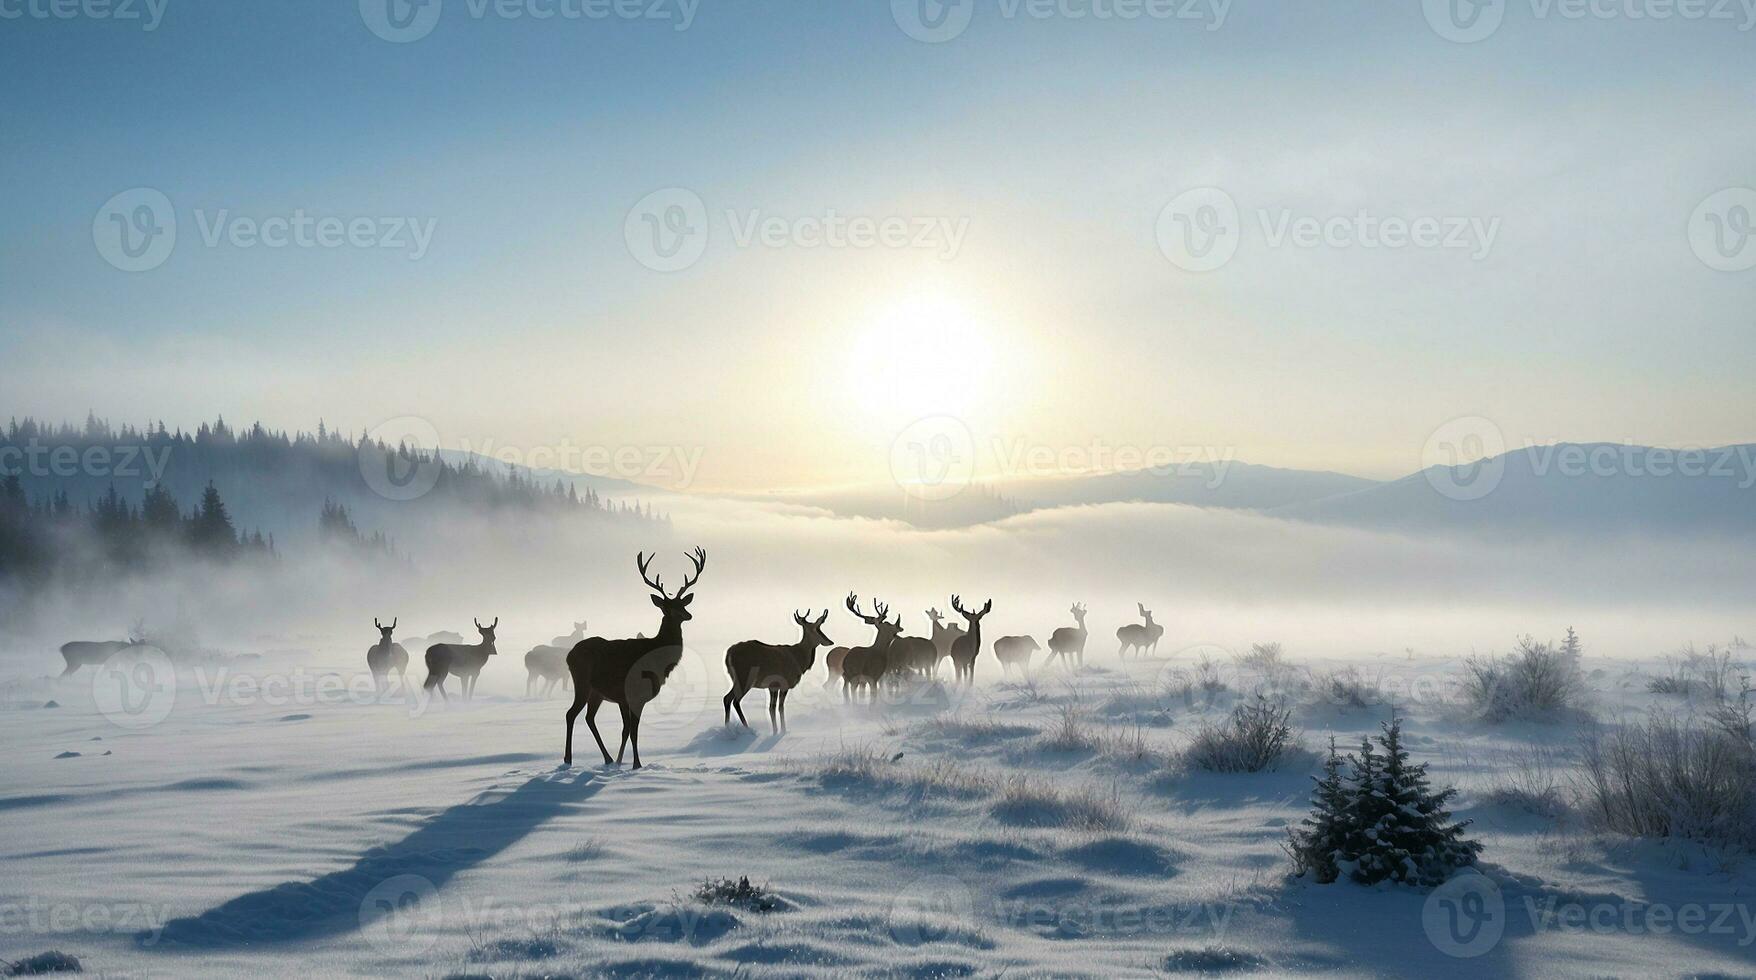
{"points": [[864, 667], [464, 660], [630, 672], [753, 664], [966, 648]]}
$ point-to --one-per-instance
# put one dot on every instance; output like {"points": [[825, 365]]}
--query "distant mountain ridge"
{"points": [[1560, 487]]}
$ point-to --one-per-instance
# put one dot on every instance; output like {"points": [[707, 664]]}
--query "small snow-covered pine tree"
{"points": [[1314, 848], [1384, 822]]}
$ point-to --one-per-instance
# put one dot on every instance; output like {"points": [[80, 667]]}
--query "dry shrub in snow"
{"points": [[1262, 656], [1536, 682], [1252, 739], [1674, 777]]}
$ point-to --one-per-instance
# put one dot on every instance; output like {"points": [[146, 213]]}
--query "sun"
{"points": [[921, 355]]}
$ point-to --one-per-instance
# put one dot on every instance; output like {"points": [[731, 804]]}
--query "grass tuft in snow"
{"points": [[586, 850], [539, 947], [1209, 960], [737, 894], [54, 961], [1266, 657], [1029, 802]]}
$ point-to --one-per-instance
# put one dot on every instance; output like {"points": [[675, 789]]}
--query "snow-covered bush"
{"points": [[1252, 739], [1379, 821], [1536, 682], [1671, 777], [1262, 656]]}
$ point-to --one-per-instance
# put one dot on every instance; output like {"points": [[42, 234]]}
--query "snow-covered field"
{"points": [[270, 818]]}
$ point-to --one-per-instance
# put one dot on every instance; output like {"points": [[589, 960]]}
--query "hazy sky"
{"points": [[496, 265]]}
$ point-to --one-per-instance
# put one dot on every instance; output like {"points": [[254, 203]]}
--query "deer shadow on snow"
{"points": [[452, 841]]}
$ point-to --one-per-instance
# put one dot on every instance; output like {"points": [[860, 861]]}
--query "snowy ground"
{"points": [[272, 819]]}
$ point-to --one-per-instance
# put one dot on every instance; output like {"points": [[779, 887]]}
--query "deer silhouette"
{"points": [[81, 653], [911, 655], [864, 667], [966, 648], [466, 661], [548, 662], [1015, 651], [387, 655], [630, 672], [753, 664], [1068, 642], [1138, 636], [943, 637]]}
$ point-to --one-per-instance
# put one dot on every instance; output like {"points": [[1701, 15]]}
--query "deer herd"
{"points": [[629, 673]]}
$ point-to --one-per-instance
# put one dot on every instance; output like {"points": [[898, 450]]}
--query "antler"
{"points": [[800, 618], [698, 558], [375, 624], [957, 604], [853, 602], [393, 622], [653, 582]]}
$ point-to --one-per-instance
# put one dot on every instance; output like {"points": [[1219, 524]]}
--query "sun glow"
{"points": [[920, 356]]}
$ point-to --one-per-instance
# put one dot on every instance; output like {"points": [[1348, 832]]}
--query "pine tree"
{"points": [[1384, 822], [1570, 647], [211, 528], [1314, 848]]}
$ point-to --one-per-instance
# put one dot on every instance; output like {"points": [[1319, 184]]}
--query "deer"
{"points": [[630, 673], [548, 662], [864, 667], [911, 655], [464, 660], [966, 648], [1015, 651], [387, 655], [753, 664], [943, 636], [1068, 642], [81, 653], [1138, 636]]}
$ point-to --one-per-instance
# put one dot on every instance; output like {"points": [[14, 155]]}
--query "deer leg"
{"points": [[529, 680], [773, 706], [627, 731], [634, 733], [572, 713], [783, 710], [738, 705], [591, 713]]}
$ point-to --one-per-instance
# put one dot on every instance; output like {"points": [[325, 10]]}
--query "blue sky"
{"points": [[1056, 141]]}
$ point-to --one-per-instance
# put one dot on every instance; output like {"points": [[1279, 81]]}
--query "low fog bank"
{"points": [[1211, 576]]}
